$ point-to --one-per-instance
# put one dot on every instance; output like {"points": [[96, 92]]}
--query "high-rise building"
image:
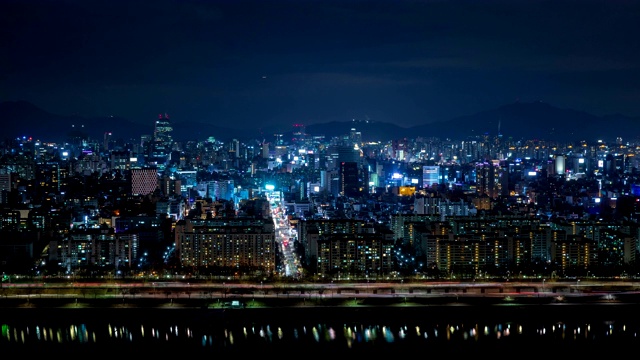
{"points": [[6, 185], [120, 160], [355, 136], [247, 244], [170, 186], [51, 176], [488, 179], [430, 176], [347, 154], [162, 142], [355, 254], [106, 142], [163, 129], [234, 149], [560, 165], [349, 183], [221, 190], [298, 134]]}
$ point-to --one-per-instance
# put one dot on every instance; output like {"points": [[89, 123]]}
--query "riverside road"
{"points": [[227, 291]]}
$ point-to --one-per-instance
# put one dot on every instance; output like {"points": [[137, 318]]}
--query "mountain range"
{"points": [[519, 121]]}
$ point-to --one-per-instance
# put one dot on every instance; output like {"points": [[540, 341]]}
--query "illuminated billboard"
{"points": [[406, 190]]}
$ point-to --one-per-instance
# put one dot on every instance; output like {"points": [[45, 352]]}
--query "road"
{"points": [[513, 289]]}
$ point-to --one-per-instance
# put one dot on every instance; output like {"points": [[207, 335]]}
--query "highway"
{"points": [[161, 289]]}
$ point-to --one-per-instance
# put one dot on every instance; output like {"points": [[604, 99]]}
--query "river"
{"points": [[455, 328]]}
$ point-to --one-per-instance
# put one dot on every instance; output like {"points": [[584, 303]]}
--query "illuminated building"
{"points": [[488, 179], [243, 244], [574, 252], [430, 176], [355, 254], [161, 144]]}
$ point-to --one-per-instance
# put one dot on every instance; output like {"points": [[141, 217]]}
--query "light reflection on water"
{"points": [[344, 335]]}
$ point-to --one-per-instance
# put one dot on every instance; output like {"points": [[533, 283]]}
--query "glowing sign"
{"points": [[269, 187], [396, 176], [406, 190]]}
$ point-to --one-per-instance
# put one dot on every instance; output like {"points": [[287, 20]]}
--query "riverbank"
{"points": [[245, 301]]}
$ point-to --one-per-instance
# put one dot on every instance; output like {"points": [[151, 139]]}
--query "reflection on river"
{"points": [[228, 332]]}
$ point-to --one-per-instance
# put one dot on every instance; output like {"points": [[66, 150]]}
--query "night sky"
{"points": [[257, 63]]}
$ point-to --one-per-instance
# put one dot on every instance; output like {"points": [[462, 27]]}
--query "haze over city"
{"points": [[249, 64]]}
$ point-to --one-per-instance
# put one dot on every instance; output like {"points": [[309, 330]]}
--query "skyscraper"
{"points": [[489, 179], [160, 147], [349, 183], [430, 176]]}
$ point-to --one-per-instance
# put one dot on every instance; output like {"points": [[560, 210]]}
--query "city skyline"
{"points": [[255, 64]]}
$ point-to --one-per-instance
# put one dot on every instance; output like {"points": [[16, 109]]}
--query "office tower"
{"points": [[430, 176], [311, 160], [221, 190], [580, 165], [299, 135], [161, 144], [120, 160], [347, 153], [106, 141], [560, 165], [50, 177], [234, 149], [349, 182], [6, 185], [170, 186], [355, 136], [488, 179]]}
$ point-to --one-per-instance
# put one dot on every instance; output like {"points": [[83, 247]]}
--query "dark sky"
{"points": [[257, 63]]}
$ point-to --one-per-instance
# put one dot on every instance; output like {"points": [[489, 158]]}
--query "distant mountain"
{"points": [[21, 118], [183, 131], [536, 120], [369, 130]]}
